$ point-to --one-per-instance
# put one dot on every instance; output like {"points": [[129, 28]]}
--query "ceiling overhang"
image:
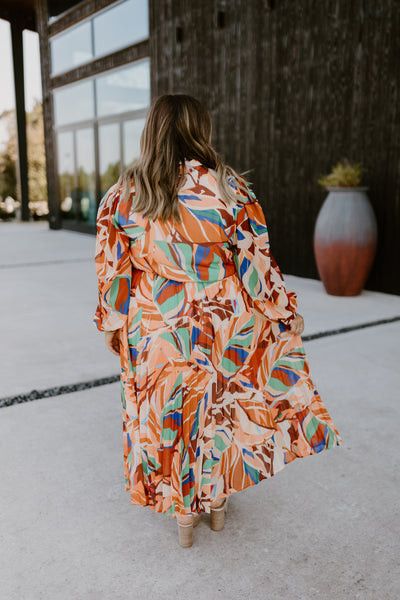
{"points": [[19, 11]]}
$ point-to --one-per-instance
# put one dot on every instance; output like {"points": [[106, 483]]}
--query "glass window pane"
{"points": [[123, 25], [124, 89], [74, 103], [86, 193], [65, 152], [132, 130], [109, 149], [71, 48]]}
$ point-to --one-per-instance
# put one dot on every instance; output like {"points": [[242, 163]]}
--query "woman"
{"points": [[215, 383]]}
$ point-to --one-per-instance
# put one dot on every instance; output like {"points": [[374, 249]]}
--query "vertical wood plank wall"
{"points": [[291, 91]]}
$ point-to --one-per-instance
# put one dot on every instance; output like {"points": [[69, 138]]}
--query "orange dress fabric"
{"points": [[216, 392]]}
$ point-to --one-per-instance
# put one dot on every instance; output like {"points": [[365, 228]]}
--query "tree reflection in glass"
{"points": [[65, 147], [86, 194], [132, 130], [109, 152]]}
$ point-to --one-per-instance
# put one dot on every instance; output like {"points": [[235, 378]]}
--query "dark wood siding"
{"points": [[291, 91]]}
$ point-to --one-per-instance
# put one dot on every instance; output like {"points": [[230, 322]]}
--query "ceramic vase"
{"points": [[345, 240]]}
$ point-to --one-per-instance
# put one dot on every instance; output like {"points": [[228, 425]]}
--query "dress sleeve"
{"points": [[113, 265], [257, 268]]}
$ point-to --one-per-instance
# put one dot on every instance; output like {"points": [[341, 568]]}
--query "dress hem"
{"points": [[230, 492]]}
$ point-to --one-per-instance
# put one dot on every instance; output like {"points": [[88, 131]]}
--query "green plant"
{"points": [[344, 174]]}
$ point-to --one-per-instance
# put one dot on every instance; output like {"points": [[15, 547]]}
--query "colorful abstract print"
{"points": [[216, 392]]}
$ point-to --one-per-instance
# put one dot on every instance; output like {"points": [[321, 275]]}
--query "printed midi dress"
{"points": [[216, 393]]}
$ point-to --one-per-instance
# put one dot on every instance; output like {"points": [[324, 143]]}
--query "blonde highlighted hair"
{"points": [[177, 127]]}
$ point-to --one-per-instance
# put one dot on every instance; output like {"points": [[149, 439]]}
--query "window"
{"points": [[123, 25], [114, 28], [98, 120], [98, 125], [124, 89], [66, 172], [132, 130], [86, 172], [110, 155], [77, 174], [74, 103], [71, 48]]}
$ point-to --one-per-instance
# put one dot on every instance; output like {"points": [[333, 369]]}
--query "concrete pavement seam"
{"points": [[57, 391], [45, 262], [315, 336]]}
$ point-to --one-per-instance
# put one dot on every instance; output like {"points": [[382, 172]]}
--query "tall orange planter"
{"points": [[345, 240]]}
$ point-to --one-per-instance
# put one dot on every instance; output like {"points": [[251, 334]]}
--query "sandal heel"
{"points": [[217, 516], [185, 533]]}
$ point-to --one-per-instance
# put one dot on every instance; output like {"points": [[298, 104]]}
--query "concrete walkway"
{"points": [[325, 527]]}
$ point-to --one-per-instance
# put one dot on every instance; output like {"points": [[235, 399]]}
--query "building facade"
{"points": [[292, 88], [96, 84]]}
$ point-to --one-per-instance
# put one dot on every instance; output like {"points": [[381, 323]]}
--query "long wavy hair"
{"points": [[177, 127]]}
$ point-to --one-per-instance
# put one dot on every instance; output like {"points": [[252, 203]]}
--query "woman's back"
{"points": [[216, 390], [198, 248]]}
